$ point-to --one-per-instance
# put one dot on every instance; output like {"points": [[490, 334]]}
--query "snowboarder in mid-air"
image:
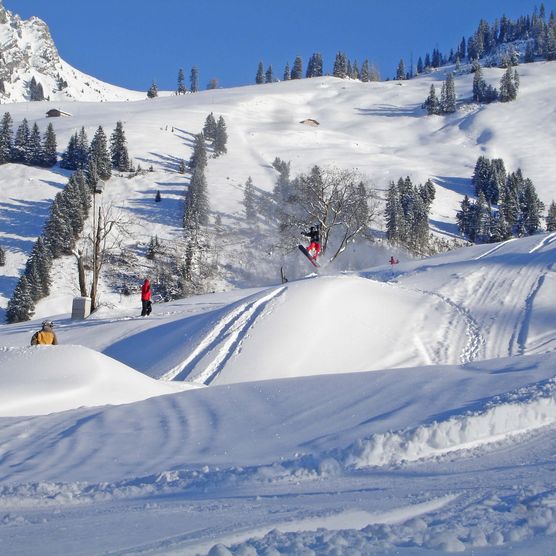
{"points": [[312, 251]]}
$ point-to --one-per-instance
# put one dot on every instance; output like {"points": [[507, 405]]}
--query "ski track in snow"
{"points": [[494, 249], [226, 337], [546, 241]]}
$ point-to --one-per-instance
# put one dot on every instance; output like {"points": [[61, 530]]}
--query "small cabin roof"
{"points": [[57, 112]]}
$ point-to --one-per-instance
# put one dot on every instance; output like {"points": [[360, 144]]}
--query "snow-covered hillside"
{"points": [[27, 51], [377, 128], [310, 438]]}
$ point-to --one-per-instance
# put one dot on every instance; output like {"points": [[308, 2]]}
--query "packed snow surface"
{"points": [[430, 429]]}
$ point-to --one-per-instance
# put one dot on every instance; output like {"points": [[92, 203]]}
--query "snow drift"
{"points": [[45, 379]]}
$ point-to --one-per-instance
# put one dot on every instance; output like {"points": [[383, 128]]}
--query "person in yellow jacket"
{"points": [[45, 336]]}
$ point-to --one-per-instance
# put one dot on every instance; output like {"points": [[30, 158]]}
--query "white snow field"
{"points": [[431, 427], [360, 410]]}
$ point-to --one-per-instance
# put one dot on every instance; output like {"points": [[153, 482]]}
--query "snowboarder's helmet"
{"points": [[47, 324]]}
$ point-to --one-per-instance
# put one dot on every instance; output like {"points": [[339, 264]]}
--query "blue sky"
{"points": [[133, 42]]}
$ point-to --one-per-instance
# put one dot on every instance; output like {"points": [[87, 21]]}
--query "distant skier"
{"points": [[146, 298], [314, 236], [393, 261], [45, 336]]}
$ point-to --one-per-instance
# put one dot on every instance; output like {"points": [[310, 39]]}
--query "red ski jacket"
{"points": [[146, 291]]}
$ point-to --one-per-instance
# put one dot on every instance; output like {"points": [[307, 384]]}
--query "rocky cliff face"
{"points": [[31, 68]]}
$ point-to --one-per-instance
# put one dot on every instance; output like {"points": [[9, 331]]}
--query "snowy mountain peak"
{"points": [[31, 68]]}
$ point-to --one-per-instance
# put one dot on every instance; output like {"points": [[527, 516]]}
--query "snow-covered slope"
{"points": [[378, 128], [437, 456], [27, 50]]}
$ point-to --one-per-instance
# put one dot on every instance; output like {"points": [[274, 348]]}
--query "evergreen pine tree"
{"points": [[194, 79], [432, 104], [220, 138], [269, 76], [20, 152], [20, 307], [249, 200], [6, 138], [182, 166], [158, 197], [400, 72], [287, 72], [199, 155], [98, 151], [34, 147], [197, 208], [81, 150], [314, 66], [297, 70], [394, 217], [551, 218], [209, 129], [481, 227], [58, 233], [91, 175], [153, 91], [2, 256], [118, 149], [464, 216], [36, 92], [508, 86], [340, 66], [420, 66], [182, 89], [260, 77], [448, 96], [532, 208], [69, 156], [365, 76], [481, 174], [49, 148]]}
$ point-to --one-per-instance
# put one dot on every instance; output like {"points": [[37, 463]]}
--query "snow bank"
{"points": [[521, 411], [45, 379]]}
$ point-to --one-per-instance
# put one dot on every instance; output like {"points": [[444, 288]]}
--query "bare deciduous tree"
{"points": [[338, 200], [109, 228]]}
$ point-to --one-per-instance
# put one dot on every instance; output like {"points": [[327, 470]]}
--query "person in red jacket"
{"points": [[146, 298]]}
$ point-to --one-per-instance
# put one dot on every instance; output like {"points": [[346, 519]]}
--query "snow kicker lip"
{"points": [[523, 410]]}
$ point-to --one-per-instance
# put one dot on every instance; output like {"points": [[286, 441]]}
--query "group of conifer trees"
{"points": [[507, 205], [343, 68], [407, 214], [68, 212], [65, 222], [181, 89], [27, 146], [97, 159], [535, 28]]}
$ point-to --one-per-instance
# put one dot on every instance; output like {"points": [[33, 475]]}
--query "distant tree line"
{"points": [[27, 146], [539, 33], [407, 214], [507, 205], [343, 68], [482, 92]]}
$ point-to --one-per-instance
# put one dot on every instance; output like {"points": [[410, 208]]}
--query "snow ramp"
{"points": [[328, 325]]}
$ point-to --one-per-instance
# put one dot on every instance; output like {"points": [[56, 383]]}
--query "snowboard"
{"points": [[308, 255]]}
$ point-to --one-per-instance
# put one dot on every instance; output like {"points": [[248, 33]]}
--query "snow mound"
{"points": [[517, 412], [328, 325], [46, 379]]}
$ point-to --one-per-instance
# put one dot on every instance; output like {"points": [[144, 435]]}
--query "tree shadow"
{"points": [[23, 219], [392, 111], [168, 162], [461, 186], [167, 211]]}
